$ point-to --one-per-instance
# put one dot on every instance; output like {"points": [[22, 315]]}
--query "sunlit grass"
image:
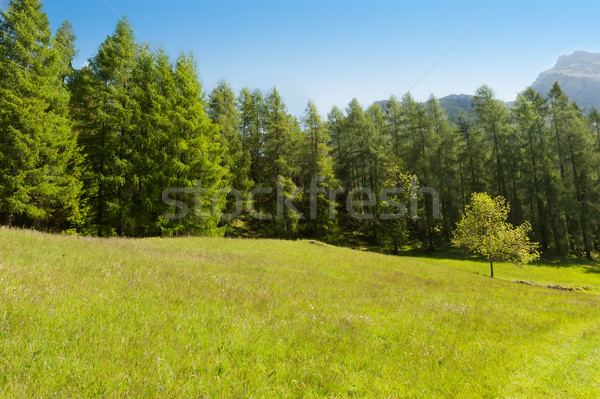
{"points": [[201, 317]]}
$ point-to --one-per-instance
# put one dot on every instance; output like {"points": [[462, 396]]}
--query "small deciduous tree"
{"points": [[484, 230]]}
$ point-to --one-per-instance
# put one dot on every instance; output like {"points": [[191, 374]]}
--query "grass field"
{"points": [[225, 318]]}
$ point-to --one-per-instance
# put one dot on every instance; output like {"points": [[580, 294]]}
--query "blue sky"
{"points": [[332, 51]]}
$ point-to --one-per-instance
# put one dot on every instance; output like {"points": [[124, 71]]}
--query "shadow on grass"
{"points": [[546, 260], [552, 260]]}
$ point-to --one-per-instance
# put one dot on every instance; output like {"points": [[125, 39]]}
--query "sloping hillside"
{"points": [[215, 318]]}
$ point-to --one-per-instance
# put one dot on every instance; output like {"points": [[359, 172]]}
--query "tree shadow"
{"points": [[546, 259], [557, 261]]}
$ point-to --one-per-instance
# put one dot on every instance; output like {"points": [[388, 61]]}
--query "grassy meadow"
{"points": [[232, 318]]}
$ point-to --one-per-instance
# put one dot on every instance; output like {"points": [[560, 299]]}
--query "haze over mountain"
{"points": [[578, 75]]}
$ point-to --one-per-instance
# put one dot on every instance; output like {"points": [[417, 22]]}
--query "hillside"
{"points": [[455, 104], [578, 75], [202, 317]]}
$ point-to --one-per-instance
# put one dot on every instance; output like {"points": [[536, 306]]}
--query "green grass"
{"points": [[228, 318], [578, 273]]}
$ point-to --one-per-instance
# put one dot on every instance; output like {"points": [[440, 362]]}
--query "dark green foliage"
{"points": [[108, 148], [223, 112], [103, 113], [445, 176], [194, 153], [491, 118], [143, 129], [317, 175], [39, 158], [579, 165]]}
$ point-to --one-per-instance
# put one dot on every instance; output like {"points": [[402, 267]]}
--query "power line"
{"points": [[120, 16], [455, 44]]}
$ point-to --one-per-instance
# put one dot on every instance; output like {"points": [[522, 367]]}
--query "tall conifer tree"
{"points": [[38, 151]]}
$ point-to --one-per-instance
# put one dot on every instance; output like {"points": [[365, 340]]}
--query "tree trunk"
{"points": [[10, 216], [492, 268]]}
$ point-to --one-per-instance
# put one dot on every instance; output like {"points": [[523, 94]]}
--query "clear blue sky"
{"points": [[332, 51]]}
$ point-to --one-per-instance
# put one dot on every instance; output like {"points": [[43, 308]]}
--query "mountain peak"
{"points": [[579, 57], [578, 75]]}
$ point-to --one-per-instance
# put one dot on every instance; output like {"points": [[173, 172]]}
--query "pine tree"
{"points": [[103, 113], [196, 156], [417, 138], [335, 125], [64, 43], [377, 163], [539, 173], [251, 108], [395, 120], [418, 144], [594, 118], [472, 157], [145, 143], [39, 159], [279, 163], [491, 117], [444, 160], [579, 168], [318, 173], [223, 112], [354, 136]]}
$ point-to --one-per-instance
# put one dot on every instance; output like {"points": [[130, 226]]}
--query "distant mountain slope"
{"points": [[578, 75], [454, 104]]}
